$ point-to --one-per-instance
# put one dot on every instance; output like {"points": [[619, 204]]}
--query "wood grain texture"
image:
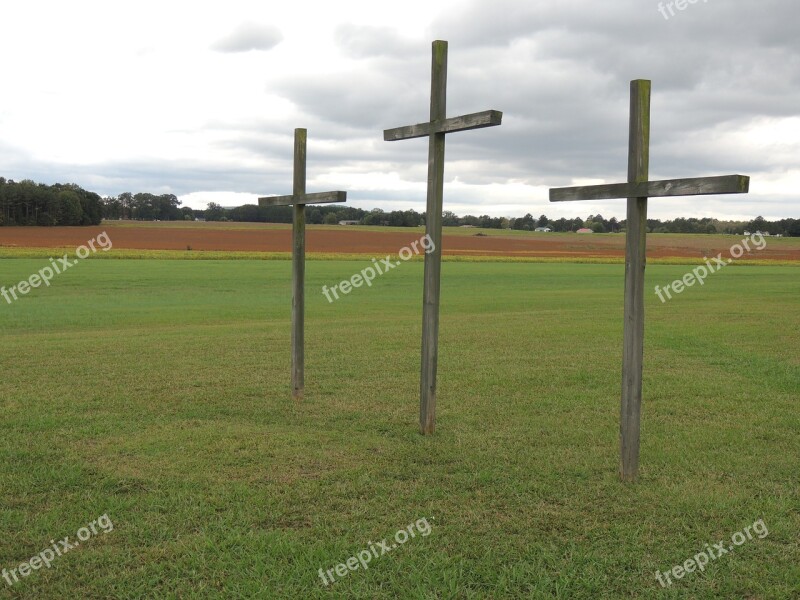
{"points": [[299, 266], [635, 263], [695, 186], [433, 260], [315, 198], [479, 120]]}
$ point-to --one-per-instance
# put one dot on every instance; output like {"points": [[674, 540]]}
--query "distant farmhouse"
{"points": [[349, 222], [543, 229], [585, 230]]}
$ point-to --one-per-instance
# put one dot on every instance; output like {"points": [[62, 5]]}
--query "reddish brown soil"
{"points": [[359, 241]]}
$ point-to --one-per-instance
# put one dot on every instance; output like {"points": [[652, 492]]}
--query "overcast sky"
{"points": [[201, 99]]}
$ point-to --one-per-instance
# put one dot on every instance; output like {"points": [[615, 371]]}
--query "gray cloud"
{"points": [[249, 36], [371, 42], [372, 95], [559, 71]]}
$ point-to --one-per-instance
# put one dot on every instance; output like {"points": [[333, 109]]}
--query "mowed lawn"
{"points": [[157, 393]]}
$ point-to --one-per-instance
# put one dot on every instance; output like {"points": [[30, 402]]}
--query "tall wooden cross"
{"points": [[435, 129], [637, 190], [299, 199]]}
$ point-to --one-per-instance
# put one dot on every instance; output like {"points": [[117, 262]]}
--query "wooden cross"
{"points": [[435, 129], [637, 190], [299, 199]]}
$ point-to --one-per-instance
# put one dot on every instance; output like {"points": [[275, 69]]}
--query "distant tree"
{"points": [[396, 218], [376, 217], [126, 205], [412, 218], [214, 212], [247, 213], [29, 203], [91, 208], [71, 211], [758, 224], [112, 208], [526, 223], [791, 227], [314, 217], [277, 214], [561, 225], [488, 222], [449, 219], [330, 219]]}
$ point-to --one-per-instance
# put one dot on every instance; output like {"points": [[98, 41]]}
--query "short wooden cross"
{"points": [[299, 199], [436, 129], [637, 190]]}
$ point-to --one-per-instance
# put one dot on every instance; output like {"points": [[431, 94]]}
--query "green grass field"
{"points": [[157, 392]]}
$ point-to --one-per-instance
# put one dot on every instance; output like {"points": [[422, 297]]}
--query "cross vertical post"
{"points": [[436, 129], [637, 190], [298, 200], [433, 228], [635, 263], [299, 266]]}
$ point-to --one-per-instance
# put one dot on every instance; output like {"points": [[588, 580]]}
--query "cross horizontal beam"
{"points": [[487, 118], [317, 198], [696, 186]]}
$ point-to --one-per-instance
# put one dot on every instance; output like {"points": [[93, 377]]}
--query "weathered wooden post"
{"points": [[299, 199], [637, 190], [435, 129]]}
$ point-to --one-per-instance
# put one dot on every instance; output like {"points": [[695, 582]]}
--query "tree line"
{"points": [[598, 224], [146, 207], [330, 215], [29, 203]]}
